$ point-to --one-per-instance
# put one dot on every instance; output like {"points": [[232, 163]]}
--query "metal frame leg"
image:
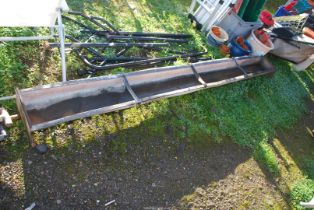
{"points": [[62, 46], [192, 7]]}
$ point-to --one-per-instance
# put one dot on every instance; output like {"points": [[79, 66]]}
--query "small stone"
{"points": [[54, 157], [190, 205], [29, 162], [58, 201], [154, 185], [42, 148], [98, 201]]}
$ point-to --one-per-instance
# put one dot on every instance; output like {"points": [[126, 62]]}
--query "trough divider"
{"points": [[129, 88], [240, 67], [198, 76]]}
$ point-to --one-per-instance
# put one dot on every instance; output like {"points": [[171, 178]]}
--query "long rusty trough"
{"points": [[45, 106]]}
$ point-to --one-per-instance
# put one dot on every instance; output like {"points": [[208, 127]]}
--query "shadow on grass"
{"points": [[298, 143], [293, 147]]}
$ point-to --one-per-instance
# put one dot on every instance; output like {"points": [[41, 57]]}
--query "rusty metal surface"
{"points": [[49, 105]]}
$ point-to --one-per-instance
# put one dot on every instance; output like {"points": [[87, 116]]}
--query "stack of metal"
{"points": [[103, 47]]}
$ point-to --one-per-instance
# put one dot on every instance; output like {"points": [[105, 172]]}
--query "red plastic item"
{"points": [[224, 49], [262, 36], [290, 6], [267, 18]]}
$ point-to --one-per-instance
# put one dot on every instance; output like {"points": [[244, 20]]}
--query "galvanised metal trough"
{"points": [[45, 106]]}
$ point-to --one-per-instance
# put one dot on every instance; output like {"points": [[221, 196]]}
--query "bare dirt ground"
{"points": [[88, 180], [155, 175], [222, 177]]}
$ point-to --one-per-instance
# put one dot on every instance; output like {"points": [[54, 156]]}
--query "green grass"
{"points": [[309, 168], [265, 154], [272, 5], [249, 112], [303, 190]]}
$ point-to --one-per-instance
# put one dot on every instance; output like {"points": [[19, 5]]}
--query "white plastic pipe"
{"points": [[6, 98], [308, 205], [30, 38]]}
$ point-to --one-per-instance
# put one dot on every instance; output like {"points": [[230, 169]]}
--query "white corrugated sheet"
{"points": [[30, 13]]}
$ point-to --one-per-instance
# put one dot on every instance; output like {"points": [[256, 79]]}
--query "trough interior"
{"points": [[105, 99], [77, 105], [152, 89]]}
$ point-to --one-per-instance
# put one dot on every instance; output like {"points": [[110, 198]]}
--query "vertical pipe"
{"points": [[62, 47], [192, 7]]}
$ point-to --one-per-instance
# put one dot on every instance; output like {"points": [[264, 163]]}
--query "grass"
{"points": [[273, 5], [265, 154], [249, 113], [303, 190], [309, 168]]}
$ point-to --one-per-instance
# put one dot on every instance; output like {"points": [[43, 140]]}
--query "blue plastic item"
{"points": [[282, 12], [212, 41], [236, 50]]}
